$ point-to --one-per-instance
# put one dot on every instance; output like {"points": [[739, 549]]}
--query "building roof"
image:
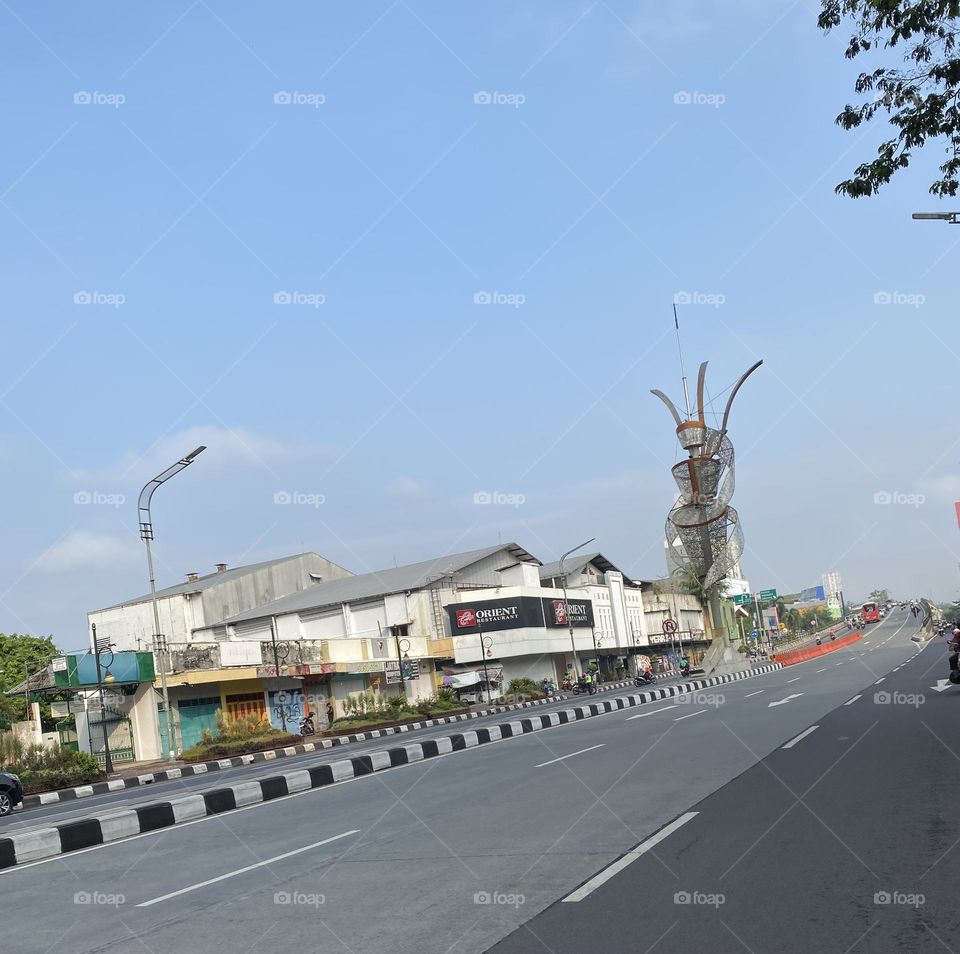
{"points": [[211, 579], [397, 579], [575, 565]]}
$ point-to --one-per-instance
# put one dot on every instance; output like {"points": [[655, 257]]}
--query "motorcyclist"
{"points": [[954, 647]]}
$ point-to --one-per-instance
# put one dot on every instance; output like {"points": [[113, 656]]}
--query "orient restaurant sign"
{"points": [[516, 613]]}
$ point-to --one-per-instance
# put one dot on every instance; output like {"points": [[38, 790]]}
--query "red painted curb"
{"points": [[812, 652]]}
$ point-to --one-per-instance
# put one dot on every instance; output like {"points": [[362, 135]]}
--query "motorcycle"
{"points": [[548, 688], [306, 725]]}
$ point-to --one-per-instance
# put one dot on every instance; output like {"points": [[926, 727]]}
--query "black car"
{"points": [[11, 792]]}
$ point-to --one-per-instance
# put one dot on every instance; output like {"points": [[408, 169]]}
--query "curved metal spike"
{"points": [[701, 377], [669, 403], [743, 377]]}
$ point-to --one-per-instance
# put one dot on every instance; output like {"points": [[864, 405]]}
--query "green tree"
{"points": [[879, 596], [918, 94], [21, 656]]}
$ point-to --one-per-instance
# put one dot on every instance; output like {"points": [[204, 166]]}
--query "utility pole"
{"points": [[566, 604], [483, 656], [97, 649]]}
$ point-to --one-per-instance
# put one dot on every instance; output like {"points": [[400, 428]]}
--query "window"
{"points": [[246, 703], [401, 630]]}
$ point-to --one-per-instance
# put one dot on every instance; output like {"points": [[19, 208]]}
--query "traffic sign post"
{"points": [[670, 627], [768, 596], [740, 598]]}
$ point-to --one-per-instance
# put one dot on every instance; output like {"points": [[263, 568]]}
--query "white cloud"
{"points": [[85, 550], [410, 489], [229, 449]]}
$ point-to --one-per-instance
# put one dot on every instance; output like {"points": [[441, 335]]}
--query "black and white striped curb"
{"points": [[40, 843], [269, 755]]}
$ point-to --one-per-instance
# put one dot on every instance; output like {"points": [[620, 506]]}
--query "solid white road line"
{"points": [[585, 890], [749, 694], [643, 715], [690, 715], [240, 871], [877, 683], [800, 737], [571, 755], [793, 680], [850, 702]]}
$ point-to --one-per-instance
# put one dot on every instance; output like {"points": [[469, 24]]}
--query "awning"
{"points": [[462, 680]]}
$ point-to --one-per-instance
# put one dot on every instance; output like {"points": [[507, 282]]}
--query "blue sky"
{"points": [[274, 231]]}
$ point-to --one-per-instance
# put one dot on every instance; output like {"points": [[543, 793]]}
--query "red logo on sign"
{"points": [[466, 618], [560, 611]]}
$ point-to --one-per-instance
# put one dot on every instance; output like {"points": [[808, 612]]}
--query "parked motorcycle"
{"points": [[549, 689], [306, 725]]}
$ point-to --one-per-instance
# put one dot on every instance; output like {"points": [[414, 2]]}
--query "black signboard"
{"points": [[555, 612], [513, 613], [516, 613]]}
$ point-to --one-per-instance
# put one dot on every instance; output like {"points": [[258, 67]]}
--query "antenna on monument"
{"points": [[683, 373]]}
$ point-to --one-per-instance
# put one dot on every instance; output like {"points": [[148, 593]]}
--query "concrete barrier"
{"points": [[812, 652]]}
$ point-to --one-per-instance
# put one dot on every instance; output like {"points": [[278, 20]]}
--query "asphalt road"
{"points": [[25, 819], [474, 851]]}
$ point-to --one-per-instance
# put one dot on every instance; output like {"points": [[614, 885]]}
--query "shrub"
{"points": [[43, 768], [523, 686], [224, 748]]}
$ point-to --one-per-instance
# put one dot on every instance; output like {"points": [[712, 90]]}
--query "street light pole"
{"points": [[97, 649], [276, 670], [952, 217], [146, 534], [483, 656], [566, 604]]}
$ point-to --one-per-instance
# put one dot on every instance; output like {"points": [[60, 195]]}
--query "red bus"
{"points": [[870, 613]]}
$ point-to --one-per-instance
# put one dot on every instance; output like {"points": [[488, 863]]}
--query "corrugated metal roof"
{"points": [[211, 579], [575, 565], [363, 586]]}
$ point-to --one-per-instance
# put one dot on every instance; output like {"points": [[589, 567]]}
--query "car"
{"points": [[11, 792]]}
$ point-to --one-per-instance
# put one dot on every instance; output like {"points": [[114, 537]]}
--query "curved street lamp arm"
{"points": [[146, 495]]}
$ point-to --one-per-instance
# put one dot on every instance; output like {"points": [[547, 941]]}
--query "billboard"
{"points": [[518, 612]]}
